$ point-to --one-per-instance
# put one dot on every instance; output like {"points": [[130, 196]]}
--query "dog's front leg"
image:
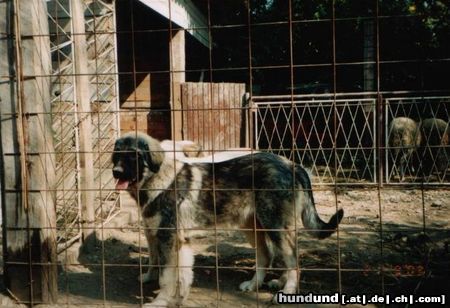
{"points": [[263, 256], [175, 277], [153, 261]]}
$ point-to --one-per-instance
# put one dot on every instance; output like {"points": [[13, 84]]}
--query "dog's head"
{"points": [[136, 157]]}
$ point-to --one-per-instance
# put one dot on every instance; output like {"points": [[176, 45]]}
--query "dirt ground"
{"points": [[380, 249]]}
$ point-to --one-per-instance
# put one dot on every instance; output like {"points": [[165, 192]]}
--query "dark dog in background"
{"points": [[263, 193]]}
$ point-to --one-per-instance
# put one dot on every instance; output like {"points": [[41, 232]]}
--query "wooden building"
{"points": [[152, 61]]}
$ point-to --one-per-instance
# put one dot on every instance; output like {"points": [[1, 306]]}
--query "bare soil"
{"points": [[385, 245]]}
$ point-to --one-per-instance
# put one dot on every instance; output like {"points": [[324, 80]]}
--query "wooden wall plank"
{"points": [[213, 114]]}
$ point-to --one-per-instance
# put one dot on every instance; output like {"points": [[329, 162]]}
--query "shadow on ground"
{"points": [[369, 262]]}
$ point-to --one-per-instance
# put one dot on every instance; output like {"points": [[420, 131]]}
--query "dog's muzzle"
{"points": [[117, 172]]}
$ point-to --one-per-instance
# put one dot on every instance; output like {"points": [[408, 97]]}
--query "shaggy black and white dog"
{"points": [[265, 194]]}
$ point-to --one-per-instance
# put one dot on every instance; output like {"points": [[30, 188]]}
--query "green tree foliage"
{"points": [[413, 41]]}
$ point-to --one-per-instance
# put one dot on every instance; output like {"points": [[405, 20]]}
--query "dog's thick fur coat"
{"points": [[263, 193]]}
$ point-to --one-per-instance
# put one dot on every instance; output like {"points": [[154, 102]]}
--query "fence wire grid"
{"points": [[351, 91]]}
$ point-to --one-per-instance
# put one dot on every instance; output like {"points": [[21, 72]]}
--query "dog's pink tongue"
{"points": [[121, 185]]}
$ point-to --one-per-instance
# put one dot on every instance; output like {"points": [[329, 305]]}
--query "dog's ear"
{"points": [[152, 154], [117, 147], [118, 144]]}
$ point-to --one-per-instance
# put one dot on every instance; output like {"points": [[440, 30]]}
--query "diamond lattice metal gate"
{"points": [[334, 138], [428, 161], [99, 25]]}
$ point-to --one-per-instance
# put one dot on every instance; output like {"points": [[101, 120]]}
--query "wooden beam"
{"points": [[27, 153], [83, 97], [177, 77]]}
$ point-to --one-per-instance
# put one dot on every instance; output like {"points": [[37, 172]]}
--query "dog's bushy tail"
{"points": [[310, 218], [316, 226]]}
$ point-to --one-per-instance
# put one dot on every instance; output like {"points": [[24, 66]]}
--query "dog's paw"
{"points": [[156, 304], [160, 301], [248, 286], [276, 284], [275, 299], [289, 289], [148, 277]]}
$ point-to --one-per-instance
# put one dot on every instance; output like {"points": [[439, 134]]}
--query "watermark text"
{"points": [[362, 299]]}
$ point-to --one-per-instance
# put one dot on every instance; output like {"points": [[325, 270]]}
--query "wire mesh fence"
{"points": [[99, 25], [348, 95]]}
